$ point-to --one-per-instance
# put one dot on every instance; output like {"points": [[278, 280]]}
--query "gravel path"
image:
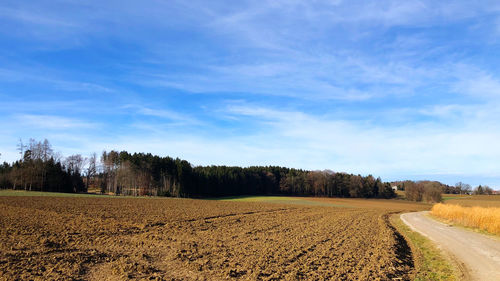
{"points": [[478, 255]]}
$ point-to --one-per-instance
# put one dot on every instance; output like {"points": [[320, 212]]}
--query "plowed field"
{"points": [[50, 238]]}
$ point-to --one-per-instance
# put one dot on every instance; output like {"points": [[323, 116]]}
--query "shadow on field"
{"points": [[404, 256]]}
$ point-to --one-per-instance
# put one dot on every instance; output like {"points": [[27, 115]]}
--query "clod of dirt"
{"points": [[50, 244]]}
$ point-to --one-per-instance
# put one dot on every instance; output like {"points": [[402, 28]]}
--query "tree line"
{"points": [[147, 174], [431, 190], [137, 174], [40, 169]]}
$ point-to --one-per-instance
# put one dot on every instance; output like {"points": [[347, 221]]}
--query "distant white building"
{"points": [[395, 188]]}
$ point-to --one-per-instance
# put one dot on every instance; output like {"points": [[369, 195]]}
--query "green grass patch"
{"points": [[263, 199], [281, 200], [10, 192], [430, 263], [446, 198]]}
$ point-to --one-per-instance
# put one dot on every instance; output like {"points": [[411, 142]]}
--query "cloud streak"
{"points": [[53, 122]]}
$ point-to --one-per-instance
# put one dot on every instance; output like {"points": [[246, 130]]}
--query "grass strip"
{"points": [[281, 200], [11, 192], [430, 264]]}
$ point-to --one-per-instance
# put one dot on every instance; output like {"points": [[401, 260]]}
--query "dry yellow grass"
{"points": [[487, 219]]}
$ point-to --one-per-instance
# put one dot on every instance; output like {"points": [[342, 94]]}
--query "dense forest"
{"points": [[146, 174]]}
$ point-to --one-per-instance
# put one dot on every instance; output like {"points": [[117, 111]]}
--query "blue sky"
{"points": [[397, 89]]}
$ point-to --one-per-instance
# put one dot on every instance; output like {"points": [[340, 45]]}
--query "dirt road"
{"points": [[477, 254]]}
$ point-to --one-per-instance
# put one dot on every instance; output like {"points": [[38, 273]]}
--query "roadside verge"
{"points": [[430, 263]]}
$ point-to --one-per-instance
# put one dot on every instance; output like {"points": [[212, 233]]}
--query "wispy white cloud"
{"points": [[364, 147], [287, 64], [478, 84], [175, 116], [48, 77], [34, 17], [315, 77], [52, 122]]}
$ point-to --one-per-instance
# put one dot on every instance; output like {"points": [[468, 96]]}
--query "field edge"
{"points": [[430, 263]]}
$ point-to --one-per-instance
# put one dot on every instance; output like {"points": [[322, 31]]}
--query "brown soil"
{"points": [[49, 238]]}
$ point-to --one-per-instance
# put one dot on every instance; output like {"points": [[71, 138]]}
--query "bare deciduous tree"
{"points": [[91, 169], [74, 163]]}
